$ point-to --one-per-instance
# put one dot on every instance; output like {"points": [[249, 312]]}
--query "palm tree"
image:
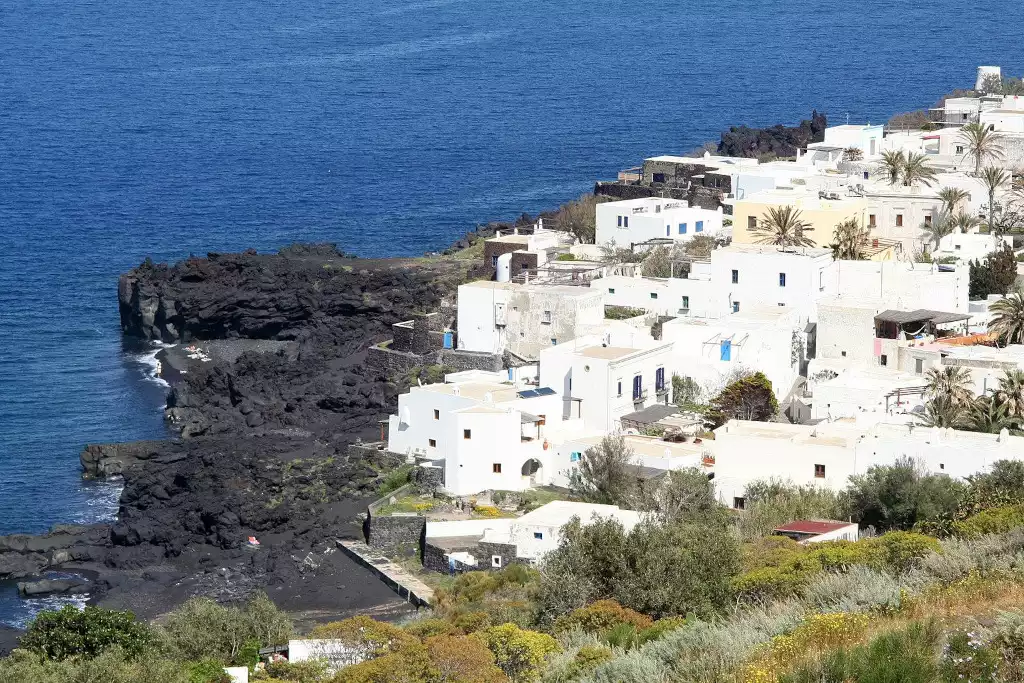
{"points": [[964, 222], [990, 416], [951, 197], [939, 227], [849, 239], [891, 165], [1008, 318], [994, 178], [1011, 392], [783, 226], [941, 412], [916, 168], [981, 142], [952, 383]]}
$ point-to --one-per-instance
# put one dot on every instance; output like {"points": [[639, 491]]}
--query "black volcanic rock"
{"points": [[22, 555]]}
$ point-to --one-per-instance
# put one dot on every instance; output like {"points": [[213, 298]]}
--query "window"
{"points": [[739, 503], [956, 247], [682, 228], [494, 261], [942, 465], [496, 561], [751, 222], [542, 420], [496, 468], [657, 208], [899, 220], [638, 387], [735, 277], [554, 341], [918, 365], [960, 148], [658, 177], [659, 379], [620, 221], [819, 471], [620, 387], [872, 220], [437, 414], [467, 433], [928, 219], [843, 353], [735, 306], [575, 456], [611, 290], [654, 295], [883, 359], [625, 221], [546, 318], [699, 227], [432, 443], [725, 350], [782, 279], [539, 535], [686, 303], [668, 231]]}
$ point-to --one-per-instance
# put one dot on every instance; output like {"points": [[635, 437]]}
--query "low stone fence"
{"points": [[471, 360], [382, 358], [397, 534]]}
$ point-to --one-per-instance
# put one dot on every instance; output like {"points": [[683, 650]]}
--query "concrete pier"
{"points": [[401, 581]]}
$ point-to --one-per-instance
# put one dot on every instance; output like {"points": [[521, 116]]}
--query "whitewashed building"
{"points": [[497, 316], [769, 340], [599, 381], [636, 221], [651, 454], [484, 435], [828, 454]]}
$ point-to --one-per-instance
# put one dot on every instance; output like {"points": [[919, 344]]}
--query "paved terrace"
{"points": [[401, 581]]}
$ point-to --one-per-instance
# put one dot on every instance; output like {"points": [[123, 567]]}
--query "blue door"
{"points": [[637, 387], [726, 350], [447, 340]]}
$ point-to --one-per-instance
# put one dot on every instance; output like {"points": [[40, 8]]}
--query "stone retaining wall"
{"points": [[380, 358], [471, 360]]}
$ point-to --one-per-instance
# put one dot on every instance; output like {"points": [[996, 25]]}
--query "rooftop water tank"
{"points": [[504, 268]]}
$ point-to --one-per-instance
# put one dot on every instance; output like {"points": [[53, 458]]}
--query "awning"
{"points": [[920, 315]]}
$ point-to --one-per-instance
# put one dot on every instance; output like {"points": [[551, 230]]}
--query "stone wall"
{"points": [[521, 261], [487, 551], [471, 360], [433, 558], [494, 249], [395, 535], [386, 359], [672, 173]]}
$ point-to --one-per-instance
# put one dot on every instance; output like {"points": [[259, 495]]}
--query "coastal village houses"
{"points": [[568, 343]]}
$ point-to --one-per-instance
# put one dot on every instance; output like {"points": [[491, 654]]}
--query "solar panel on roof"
{"points": [[529, 393], [545, 391]]}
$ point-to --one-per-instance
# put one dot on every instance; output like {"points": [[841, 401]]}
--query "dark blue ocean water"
{"points": [[131, 129]]}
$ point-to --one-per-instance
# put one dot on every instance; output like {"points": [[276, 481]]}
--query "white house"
{"points": [[484, 435], [967, 247], [905, 285], [867, 393], [635, 221], [652, 454], [497, 316], [768, 340], [599, 382], [866, 138], [818, 531], [828, 454], [738, 277], [530, 537]]}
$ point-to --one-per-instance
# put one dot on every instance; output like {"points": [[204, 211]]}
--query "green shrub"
{"points": [[601, 616], [586, 660], [202, 629], [70, 632], [300, 672], [565, 257], [769, 583], [967, 658], [899, 550], [208, 671], [660, 628], [992, 521], [395, 479], [518, 652], [425, 628]]}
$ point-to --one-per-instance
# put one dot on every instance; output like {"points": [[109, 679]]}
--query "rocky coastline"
{"points": [[272, 404]]}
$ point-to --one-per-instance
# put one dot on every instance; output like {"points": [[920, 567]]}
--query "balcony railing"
{"points": [[640, 396]]}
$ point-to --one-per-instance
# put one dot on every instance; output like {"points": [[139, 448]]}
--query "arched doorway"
{"points": [[533, 469]]}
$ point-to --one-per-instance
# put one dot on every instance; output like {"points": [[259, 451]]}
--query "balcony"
{"points": [[640, 396], [661, 391]]}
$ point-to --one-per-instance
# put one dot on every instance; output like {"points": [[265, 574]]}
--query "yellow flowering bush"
{"points": [[818, 633]]}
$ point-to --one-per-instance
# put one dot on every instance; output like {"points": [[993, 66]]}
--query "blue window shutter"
{"points": [[782, 279], [700, 226], [637, 387], [625, 221], [448, 341], [620, 221], [726, 349], [668, 230], [682, 228]]}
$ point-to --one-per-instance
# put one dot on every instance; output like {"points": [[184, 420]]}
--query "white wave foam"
{"points": [[28, 608], [149, 359]]}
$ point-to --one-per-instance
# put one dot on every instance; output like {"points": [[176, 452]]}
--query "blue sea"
{"points": [[162, 129]]}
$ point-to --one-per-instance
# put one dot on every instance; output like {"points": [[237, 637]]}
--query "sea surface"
{"points": [[134, 129]]}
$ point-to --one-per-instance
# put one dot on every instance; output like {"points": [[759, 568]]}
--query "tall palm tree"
{"points": [[941, 412], [990, 416], [1008, 318], [939, 227], [952, 383], [994, 178], [783, 226], [951, 198], [1011, 392], [981, 143], [916, 169], [848, 241], [891, 165], [964, 222]]}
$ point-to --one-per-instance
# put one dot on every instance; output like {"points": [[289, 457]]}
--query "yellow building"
{"points": [[821, 213]]}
